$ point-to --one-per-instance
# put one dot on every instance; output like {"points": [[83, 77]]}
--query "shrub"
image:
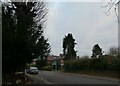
{"points": [[101, 63], [47, 68], [30, 65], [77, 65], [66, 66], [115, 66]]}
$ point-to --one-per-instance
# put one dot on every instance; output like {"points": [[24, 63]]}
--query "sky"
{"points": [[86, 21]]}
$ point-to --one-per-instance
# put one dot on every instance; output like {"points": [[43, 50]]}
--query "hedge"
{"points": [[102, 63]]}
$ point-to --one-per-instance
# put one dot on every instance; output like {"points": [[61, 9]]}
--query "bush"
{"points": [[47, 68], [77, 65], [100, 63], [115, 64], [66, 66], [30, 65]]}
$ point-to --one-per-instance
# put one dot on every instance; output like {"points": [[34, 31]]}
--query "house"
{"points": [[54, 61]]}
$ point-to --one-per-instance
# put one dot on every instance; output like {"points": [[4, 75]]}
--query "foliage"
{"points": [[96, 51], [30, 65], [68, 47], [77, 65], [115, 63], [100, 64], [47, 68], [41, 63], [22, 37]]}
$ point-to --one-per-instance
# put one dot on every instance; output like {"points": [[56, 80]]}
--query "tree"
{"points": [[111, 4], [8, 36], [96, 51], [68, 47], [23, 38], [113, 50]]}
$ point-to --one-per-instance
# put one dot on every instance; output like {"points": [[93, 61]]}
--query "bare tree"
{"points": [[109, 5], [114, 50]]}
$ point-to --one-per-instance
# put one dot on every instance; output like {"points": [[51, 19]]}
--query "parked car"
{"points": [[32, 70]]}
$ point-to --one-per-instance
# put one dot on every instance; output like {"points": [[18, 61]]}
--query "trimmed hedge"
{"points": [[103, 63]]}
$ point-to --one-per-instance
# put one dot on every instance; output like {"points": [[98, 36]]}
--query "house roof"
{"points": [[53, 57]]}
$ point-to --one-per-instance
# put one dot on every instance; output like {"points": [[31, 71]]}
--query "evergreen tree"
{"points": [[68, 47], [8, 36], [96, 51], [23, 38]]}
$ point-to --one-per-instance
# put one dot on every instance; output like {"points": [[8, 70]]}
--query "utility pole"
{"points": [[118, 23]]}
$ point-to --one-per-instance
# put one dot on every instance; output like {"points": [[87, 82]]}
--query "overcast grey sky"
{"points": [[86, 21]]}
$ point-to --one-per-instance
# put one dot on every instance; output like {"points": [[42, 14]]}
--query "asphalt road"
{"points": [[56, 77]]}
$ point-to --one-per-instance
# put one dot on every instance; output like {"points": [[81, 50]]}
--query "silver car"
{"points": [[32, 70]]}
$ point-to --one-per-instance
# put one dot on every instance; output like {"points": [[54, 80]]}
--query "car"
{"points": [[32, 70]]}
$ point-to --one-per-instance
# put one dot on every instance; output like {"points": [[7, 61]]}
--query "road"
{"points": [[57, 77]]}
